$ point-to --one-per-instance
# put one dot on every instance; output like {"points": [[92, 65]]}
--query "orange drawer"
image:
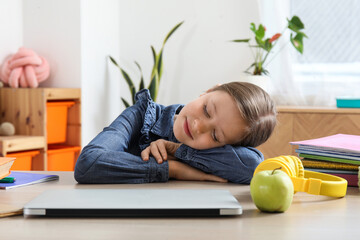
{"points": [[23, 159], [61, 158], [57, 121]]}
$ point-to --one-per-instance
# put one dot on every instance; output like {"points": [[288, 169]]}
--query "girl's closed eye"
{"points": [[208, 116], [206, 111], [214, 137]]}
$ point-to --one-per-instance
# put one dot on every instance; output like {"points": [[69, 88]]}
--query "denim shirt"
{"points": [[113, 156]]}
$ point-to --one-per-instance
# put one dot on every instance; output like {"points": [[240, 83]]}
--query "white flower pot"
{"points": [[259, 80]]}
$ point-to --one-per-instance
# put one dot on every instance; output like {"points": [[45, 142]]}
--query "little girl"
{"points": [[212, 138]]}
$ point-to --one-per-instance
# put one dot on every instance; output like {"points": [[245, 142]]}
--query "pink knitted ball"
{"points": [[25, 69]]}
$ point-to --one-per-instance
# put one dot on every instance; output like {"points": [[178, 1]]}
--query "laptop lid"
{"points": [[133, 203]]}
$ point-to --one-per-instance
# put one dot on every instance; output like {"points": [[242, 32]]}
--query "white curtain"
{"points": [[330, 65], [284, 90]]}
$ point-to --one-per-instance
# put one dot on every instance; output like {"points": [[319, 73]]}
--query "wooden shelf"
{"points": [[62, 93], [21, 143], [302, 123], [26, 109], [318, 110]]}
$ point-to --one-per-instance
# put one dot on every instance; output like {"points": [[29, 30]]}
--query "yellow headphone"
{"points": [[306, 181]]}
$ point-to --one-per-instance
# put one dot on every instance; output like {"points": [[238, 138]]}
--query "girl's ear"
{"points": [[210, 89]]}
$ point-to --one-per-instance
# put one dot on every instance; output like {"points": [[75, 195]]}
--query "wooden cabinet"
{"points": [[26, 109], [300, 123]]}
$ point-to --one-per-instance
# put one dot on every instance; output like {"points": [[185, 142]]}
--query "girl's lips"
{"points": [[186, 129]]}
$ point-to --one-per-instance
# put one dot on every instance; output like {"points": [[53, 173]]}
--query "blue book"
{"points": [[326, 154], [24, 178]]}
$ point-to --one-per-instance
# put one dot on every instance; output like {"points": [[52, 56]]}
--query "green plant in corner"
{"points": [[156, 72], [264, 46]]}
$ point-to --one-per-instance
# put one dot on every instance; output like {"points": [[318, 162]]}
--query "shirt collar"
{"points": [[164, 125]]}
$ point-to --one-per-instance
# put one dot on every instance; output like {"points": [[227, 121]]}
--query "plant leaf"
{"points": [[241, 40], [154, 86], [159, 64], [158, 57], [129, 83], [302, 33], [267, 45], [125, 103], [266, 72], [295, 24], [141, 85], [155, 58], [154, 54], [126, 77], [297, 42], [172, 31], [155, 81], [260, 42], [156, 71], [253, 27], [260, 32], [252, 65], [139, 67], [113, 61]]}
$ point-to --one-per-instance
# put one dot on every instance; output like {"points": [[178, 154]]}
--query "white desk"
{"points": [[309, 217]]}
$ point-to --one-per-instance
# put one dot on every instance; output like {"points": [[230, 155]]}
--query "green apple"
{"points": [[272, 190]]}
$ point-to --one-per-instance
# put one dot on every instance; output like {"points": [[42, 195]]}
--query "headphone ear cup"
{"points": [[295, 166], [299, 167], [289, 163]]}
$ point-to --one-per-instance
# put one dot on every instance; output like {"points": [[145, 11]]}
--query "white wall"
{"points": [[52, 29], [199, 55], [10, 27], [100, 85], [76, 36]]}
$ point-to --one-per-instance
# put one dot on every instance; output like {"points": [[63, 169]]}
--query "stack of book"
{"points": [[337, 155]]}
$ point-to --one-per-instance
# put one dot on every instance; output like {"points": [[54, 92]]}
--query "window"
{"points": [[330, 65]]}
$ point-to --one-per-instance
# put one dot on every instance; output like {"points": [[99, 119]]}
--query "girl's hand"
{"points": [[161, 150], [182, 171]]}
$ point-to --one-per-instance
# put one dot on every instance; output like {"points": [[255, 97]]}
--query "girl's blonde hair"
{"points": [[257, 109]]}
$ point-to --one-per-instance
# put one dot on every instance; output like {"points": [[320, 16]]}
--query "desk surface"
{"points": [[309, 217]]}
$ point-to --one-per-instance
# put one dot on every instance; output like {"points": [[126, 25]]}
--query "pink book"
{"points": [[342, 142]]}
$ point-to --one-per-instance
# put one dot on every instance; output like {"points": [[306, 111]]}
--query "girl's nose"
{"points": [[201, 126]]}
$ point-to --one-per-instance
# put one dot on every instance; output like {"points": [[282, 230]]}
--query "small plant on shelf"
{"points": [[264, 46]]}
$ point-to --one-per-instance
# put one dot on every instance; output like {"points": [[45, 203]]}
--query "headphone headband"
{"points": [[320, 184]]}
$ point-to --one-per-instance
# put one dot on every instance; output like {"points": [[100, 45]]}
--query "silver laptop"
{"points": [[133, 203]]}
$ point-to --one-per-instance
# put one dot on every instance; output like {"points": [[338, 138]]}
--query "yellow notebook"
{"points": [[10, 210], [328, 165]]}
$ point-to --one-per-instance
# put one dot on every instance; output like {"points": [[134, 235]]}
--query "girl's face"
{"points": [[212, 120]]}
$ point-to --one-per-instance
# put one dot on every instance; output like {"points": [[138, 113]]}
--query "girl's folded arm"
{"points": [[111, 156], [234, 163]]}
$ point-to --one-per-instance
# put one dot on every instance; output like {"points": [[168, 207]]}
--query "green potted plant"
{"points": [[156, 72], [262, 47]]}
